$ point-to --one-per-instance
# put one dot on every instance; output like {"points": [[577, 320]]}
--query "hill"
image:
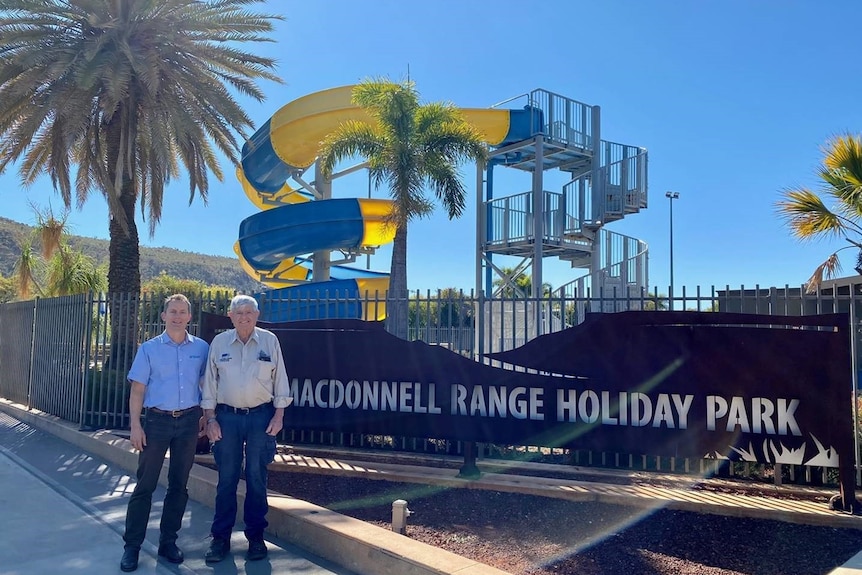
{"points": [[212, 270]]}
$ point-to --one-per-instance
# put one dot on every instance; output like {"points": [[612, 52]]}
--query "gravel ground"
{"points": [[527, 534]]}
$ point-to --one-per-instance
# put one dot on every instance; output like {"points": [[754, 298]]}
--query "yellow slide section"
{"points": [[375, 214], [286, 195], [297, 129]]}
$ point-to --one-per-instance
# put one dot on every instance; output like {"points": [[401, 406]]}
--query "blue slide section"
{"points": [[272, 241], [270, 237]]}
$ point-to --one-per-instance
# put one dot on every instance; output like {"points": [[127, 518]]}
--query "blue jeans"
{"points": [[242, 432], [180, 435]]}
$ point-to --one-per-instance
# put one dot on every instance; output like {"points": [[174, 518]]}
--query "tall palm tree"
{"points": [[808, 216], [409, 147], [126, 92]]}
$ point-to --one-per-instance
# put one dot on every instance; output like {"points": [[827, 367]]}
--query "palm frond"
{"points": [[844, 155], [807, 215], [50, 230], [350, 139], [446, 182], [826, 270]]}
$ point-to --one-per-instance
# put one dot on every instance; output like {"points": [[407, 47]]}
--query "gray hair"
{"points": [[239, 301]]}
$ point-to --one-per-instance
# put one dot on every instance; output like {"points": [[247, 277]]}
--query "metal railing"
{"points": [[620, 279], [620, 189], [625, 185], [563, 120], [56, 355], [510, 218]]}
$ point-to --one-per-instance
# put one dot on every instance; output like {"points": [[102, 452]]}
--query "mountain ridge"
{"points": [[211, 270]]}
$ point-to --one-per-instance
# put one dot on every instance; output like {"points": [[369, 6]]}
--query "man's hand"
{"points": [[202, 426], [213, 431], [138, 437], [275, 424]]}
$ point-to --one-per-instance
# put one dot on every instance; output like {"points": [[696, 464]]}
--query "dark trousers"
{"points": [[243, 433], [180, 435]]}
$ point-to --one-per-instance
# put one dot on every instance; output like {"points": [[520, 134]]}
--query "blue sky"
{"points": [[733, 100]]}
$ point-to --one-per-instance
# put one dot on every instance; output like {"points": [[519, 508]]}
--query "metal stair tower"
{"points": [[607, 181]]}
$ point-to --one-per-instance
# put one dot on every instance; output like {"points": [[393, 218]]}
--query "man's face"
{"points": [[177, 315], [244, 317]]}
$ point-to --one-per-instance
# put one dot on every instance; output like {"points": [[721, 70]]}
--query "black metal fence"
{"points": [[61, 355]]}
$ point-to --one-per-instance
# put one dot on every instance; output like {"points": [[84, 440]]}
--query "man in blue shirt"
{"points": [[164, 405]]}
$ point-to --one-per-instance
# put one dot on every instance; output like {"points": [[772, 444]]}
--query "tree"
{"points": [[447, 309], [655, 302], [518, 284], [165, 284], [126, 92], [807, 215], [57, 269], [8, 289], [409, 147], [71, 272]]}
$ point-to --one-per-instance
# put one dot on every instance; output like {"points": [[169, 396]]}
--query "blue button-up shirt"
{"points": [[172, 372]]}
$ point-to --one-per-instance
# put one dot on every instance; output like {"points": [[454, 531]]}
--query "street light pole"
{"points": [[671, 196]]}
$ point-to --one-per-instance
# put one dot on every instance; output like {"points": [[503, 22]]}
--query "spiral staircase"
{"points": [[607, 182]]}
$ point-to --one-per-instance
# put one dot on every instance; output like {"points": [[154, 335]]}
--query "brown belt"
{"points": [[175, 412]]}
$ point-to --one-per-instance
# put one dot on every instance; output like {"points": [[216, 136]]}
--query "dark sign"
{"points": [[686, 384]]}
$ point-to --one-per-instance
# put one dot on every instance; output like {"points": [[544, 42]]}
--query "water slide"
{"points": [[275, 245]]}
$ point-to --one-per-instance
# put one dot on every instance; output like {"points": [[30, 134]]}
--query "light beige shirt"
{"points": [[245, 375]]}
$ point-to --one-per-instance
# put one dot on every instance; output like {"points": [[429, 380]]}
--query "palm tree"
{"points": [[655, 301], [808, 216], [127, 92], [71, 272], [518, 284], [26, 271], [58, 269], [409, 147]]}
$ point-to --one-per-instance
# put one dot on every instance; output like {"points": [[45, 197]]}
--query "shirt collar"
{"points": [[253, 336], [165, 338]]}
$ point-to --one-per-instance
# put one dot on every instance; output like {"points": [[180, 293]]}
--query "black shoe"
{"points": [[217, 551], [256, 550], [129, 562], [171, 552]]}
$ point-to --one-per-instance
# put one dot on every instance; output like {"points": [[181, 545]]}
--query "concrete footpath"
{"points": [[63, 496], [64, 511]]}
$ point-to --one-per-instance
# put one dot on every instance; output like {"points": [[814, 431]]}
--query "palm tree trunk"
{"points": [[124, 273], [124, 267], [397, 308]]}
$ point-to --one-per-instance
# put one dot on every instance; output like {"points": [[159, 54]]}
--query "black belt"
{"points": [[175, 412], [241, 410]]}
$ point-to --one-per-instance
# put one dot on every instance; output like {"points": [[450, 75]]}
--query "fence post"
{"points": [[32, 355], [89, 356]]}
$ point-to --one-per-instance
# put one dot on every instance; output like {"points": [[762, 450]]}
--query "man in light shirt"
{"points": [[164, 405], [245, 393]]}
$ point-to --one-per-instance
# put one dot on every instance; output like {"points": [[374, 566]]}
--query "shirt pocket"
{"points": [[264, 370]]}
